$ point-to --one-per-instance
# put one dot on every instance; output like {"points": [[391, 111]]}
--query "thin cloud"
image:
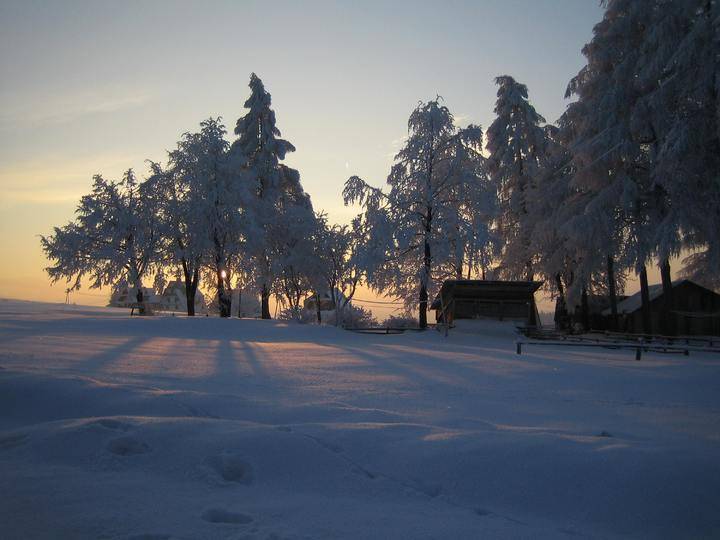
{"points": [[69, 109]]}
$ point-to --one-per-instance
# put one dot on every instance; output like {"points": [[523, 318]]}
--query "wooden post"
{"points": [[612, 291], [668, 317], [645, 301]]}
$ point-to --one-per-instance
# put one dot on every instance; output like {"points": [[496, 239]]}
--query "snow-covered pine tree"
{"points": [[516, 143], [257, 153], [113, 237], [406, 224]]}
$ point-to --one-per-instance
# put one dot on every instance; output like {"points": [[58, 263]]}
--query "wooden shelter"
{"points": [[695, 310], [480, 299]]}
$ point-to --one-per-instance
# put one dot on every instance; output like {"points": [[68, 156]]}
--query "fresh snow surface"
{"points": [[173, 427]]}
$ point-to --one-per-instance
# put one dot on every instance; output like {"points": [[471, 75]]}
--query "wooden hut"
{"points": [[480, 299], [695, 310]]}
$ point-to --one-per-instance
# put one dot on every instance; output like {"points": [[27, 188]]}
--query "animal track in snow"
{"points": [[218, 515]]}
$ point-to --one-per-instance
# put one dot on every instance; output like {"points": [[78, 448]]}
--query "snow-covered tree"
{"points": [[202, 159], [611, 158], [677, 116], [467, 222], [198, 206], [291, 251], [517, 145], [340, 250], [408, 223], [113, 237], [257, 153]]}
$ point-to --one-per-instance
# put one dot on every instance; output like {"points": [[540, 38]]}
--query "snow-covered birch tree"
{"points": [[408, 221]]}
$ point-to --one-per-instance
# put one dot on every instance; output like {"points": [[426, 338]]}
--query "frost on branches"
{"points": [[257, 152], [517, 146], [113, 237], [416, 228]]}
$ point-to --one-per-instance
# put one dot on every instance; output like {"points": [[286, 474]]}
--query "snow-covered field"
{"points": [[170, 427]]}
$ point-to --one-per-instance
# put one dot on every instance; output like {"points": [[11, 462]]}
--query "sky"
{"points": [[99, 87]]}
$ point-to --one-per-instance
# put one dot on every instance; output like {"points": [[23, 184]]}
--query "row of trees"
{"points": [[231, 215], [627, 176], [630, 174]]}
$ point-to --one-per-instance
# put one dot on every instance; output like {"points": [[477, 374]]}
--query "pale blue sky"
{"points": [[99, 86]]}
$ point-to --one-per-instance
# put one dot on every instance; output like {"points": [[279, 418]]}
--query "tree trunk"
{"points": [[427, 261], [423, 286], [317, 307], [645, 299], [561, 314], [223, 300], [668, 317], [529, 272], [191, 283], [190, 292], [612, 292], [265, 301], [585, 310], [423, 305]]}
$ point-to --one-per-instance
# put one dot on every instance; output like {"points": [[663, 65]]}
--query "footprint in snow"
{"points": [[431, 490], [127, 446], [218, 515], [12, 441], [231, 468]]}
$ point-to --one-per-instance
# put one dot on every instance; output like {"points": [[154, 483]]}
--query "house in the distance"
{"points": [[695, 310], [480, 299], [326, 301], [173, 298], [124, 296], [246, 303]]}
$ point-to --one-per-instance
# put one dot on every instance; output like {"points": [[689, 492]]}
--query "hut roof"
{"points": [[634, 302], [487, 290]]}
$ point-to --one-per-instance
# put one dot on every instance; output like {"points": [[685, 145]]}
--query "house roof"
{"points": [[634, 302], [485, 289]]}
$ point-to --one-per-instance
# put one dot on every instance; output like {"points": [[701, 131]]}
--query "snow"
{"points": [[175, 427]]}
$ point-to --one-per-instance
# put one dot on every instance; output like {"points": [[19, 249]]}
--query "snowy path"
{"points": [[118, 427]]}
